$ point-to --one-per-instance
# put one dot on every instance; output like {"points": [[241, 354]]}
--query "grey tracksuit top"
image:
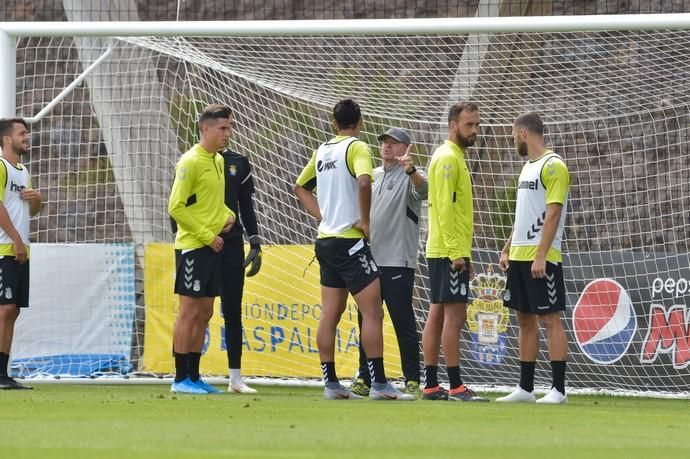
{"points": [[396, 208]]}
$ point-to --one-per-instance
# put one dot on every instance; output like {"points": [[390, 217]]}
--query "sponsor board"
{"points": [[80, 319], [280, 315], [646, 324]]}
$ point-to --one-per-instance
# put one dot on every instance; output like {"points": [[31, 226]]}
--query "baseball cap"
{"points": [[398, 134]]}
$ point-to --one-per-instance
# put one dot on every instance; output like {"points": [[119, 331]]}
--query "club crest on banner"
{"points": [[487, 318]]}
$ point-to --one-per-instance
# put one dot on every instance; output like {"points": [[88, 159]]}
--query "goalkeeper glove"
{"points": [[253, 257]]}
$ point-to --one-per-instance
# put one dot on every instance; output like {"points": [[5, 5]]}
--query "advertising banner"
{"points": [[631, 317], [627, 319], [280, 314], [81, 311]]}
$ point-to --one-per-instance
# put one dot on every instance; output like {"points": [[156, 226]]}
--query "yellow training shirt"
{"points": [[197, 200], [451, 218]]}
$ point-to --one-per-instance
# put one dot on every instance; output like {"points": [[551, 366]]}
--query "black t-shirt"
{"points": [[239, 188]]}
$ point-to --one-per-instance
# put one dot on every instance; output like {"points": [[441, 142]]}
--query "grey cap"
{"points": [[398, 134]]}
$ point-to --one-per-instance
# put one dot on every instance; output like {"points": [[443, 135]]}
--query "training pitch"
{"points": [[146, 421]]}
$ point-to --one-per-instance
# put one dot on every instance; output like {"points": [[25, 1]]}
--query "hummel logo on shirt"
{"points": [[15, 187]]}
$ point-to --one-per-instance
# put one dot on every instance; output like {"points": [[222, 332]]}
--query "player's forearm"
{"points": [[308, 201], [452, 246], [190, 224], [419, 182], [548, 232], [7, 225], [247, 213], [446, 223], [506, 246], [35, 206], [447, 228], [364, 196]]}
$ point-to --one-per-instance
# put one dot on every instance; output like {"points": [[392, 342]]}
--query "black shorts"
{"points": [[534, 296], [346, 263], [448, 286], [14, 282], [198, 272]]}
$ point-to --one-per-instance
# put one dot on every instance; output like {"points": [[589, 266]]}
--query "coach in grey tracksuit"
{"points": [[396, 203]]}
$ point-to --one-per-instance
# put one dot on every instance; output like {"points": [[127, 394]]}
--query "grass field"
{"points": [[74, 421]]}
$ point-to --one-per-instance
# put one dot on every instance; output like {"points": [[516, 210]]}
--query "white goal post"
{"points": [[113, 104]]}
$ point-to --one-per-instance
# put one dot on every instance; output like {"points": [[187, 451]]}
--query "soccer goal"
{"points": [[113, 105]]}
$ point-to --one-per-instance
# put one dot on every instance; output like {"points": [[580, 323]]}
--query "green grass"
{"points": [[148, 422]]}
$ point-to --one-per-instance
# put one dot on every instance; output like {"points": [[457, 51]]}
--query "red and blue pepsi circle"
{"points": [[604, 321]]}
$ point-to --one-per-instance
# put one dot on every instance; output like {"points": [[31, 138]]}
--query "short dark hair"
{"points": [[347, 113], [7, 126], [459, 107], [530, 121], [214, 112]]}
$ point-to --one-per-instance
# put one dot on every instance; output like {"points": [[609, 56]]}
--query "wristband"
{"points": [[411, 171]]}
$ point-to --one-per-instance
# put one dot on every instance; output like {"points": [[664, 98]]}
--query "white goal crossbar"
{"points": [[354, 27]]}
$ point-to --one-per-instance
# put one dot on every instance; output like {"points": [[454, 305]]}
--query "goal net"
{"points": [[616, 109]]}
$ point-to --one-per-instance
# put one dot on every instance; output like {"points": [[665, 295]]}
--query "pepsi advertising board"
{"points": [[627, 320], [630, 316]]}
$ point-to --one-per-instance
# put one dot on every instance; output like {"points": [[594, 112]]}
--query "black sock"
{"points": [[366, 377], [558, 375], [527, 375], [430, 376], [194, 359], [181, 366], [376, 370], [454, 378], [328, 370], [4, 362]]}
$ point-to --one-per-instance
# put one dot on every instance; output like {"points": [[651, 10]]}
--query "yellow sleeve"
{"points": [[359, 160], [3, 180], [182, 190], [446, 177], [556, 180], [307, 178]]}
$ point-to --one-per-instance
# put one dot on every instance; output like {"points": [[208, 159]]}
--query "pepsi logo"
{"points": [[604, 321]]}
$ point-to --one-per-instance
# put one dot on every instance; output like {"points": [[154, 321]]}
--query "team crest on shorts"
{"points": [[8, 293], [487, 318], [197, 285]]}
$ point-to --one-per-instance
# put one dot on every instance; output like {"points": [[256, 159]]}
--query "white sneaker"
{"points": [[241, 388], [339, 393], [388, 392], [519, 395], [554, 397]]}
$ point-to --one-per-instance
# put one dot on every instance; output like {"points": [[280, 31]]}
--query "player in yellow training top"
{"points": [[342, 170], [197, 206], [18, 203], [449, 252], [532, 257]]}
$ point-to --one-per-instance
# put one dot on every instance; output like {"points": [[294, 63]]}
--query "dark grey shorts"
{"points": [[534, 296], [198, 272], [448, 286], [14, 282], [345, 263]]}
